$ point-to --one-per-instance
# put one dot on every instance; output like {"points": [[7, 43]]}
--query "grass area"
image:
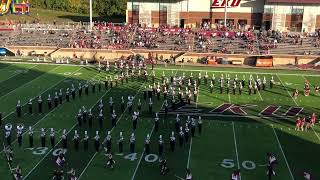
{"points": [[50, 16], [229, 141]]}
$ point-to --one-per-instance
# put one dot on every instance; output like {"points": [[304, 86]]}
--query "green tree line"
{"points": [[102, 8]]}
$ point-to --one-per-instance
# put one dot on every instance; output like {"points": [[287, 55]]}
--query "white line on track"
{"points": [[235, 144], [88, 164], [287, 90], [284, 156], [28, 82]]}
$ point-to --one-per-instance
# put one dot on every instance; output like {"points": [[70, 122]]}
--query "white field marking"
{"points": [[233, 72], [53, 109], [297, 112], [137, 167], [260, 93], [27, 83], [284, 156], [171, 69], [225, 115], [311, 126], [178, 177], [235, 145], [198, 96], [273, 113], [315, 133], [61, 139], [94, 155], [190, 148], [25, 177], [17, 73], [229, 97], [135, 171], [287, 90], [88, 164], [44, 91]]}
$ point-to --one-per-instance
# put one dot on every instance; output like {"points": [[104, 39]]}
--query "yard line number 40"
{"points": [[150, 158], [229, 163]]}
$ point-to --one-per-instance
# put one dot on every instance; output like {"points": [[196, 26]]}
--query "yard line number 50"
{"points": [[229, 163]]}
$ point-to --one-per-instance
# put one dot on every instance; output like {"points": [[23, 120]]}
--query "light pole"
{"points": [[91, 23], [225, 13]]}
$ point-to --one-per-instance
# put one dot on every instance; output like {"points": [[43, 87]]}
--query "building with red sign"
{"points": [[282, 15]]}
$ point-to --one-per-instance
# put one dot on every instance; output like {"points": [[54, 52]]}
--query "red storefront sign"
{"points": [[222, 3]]}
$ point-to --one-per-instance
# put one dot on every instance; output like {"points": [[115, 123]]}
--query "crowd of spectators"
{"points": [[205, 39]]}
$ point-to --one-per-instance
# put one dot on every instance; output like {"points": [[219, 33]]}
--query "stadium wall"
{"points": [[116, 54]]}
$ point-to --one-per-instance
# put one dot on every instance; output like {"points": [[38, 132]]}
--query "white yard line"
{"points": [[45, 91], [88, 164], [284, 156], [287, 90], [139, 162], [174, 69], [315, 133], [137, 167], [311, 126], [229, 97], [92, 158], [260, 94], [28, 83], [61, 139], [189, 155], [198, 96], [235, 144], [25, 177], [41, 118]]}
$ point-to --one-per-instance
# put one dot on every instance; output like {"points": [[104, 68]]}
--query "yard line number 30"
{"points": [[43, 150]]}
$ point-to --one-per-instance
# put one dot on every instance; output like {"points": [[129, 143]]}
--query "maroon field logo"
{"points": [[222, 3]]}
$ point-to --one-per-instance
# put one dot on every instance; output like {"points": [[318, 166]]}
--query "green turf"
{"points": [[60, 17], [226, 143]]}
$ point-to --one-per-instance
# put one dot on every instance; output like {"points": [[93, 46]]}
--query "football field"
{"points": [[238, 130]]}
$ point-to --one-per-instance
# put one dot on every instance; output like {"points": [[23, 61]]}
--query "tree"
{"points": [[110, 7]]}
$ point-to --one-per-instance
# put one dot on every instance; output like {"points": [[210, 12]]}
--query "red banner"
{"points": [[264, 62]]}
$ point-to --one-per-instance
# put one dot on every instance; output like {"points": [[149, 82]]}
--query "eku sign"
{"points": [[222, 3]]}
